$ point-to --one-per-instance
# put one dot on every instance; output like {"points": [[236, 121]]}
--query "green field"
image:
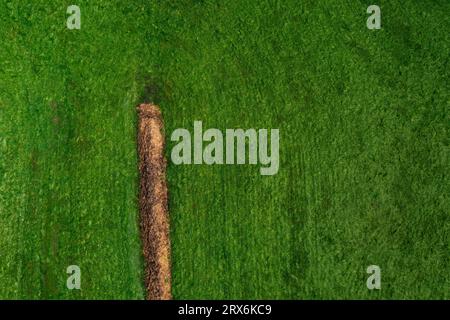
{"points": [[364, 147]]}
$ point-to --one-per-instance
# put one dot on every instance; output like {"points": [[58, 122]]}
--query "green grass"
{"points": [[363, 118], [68, 158]]}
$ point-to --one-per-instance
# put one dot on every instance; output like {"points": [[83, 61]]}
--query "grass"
{"points": [[363, 119], [68, 161]]}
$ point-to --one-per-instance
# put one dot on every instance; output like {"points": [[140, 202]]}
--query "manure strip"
{"points": [[153, 206]]}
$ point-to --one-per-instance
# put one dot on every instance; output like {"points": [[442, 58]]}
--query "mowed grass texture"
{"points": [[68, 165], [363, 119]]}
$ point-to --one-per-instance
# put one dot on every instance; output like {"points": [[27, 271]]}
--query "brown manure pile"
{"points": [[153, 206]]}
